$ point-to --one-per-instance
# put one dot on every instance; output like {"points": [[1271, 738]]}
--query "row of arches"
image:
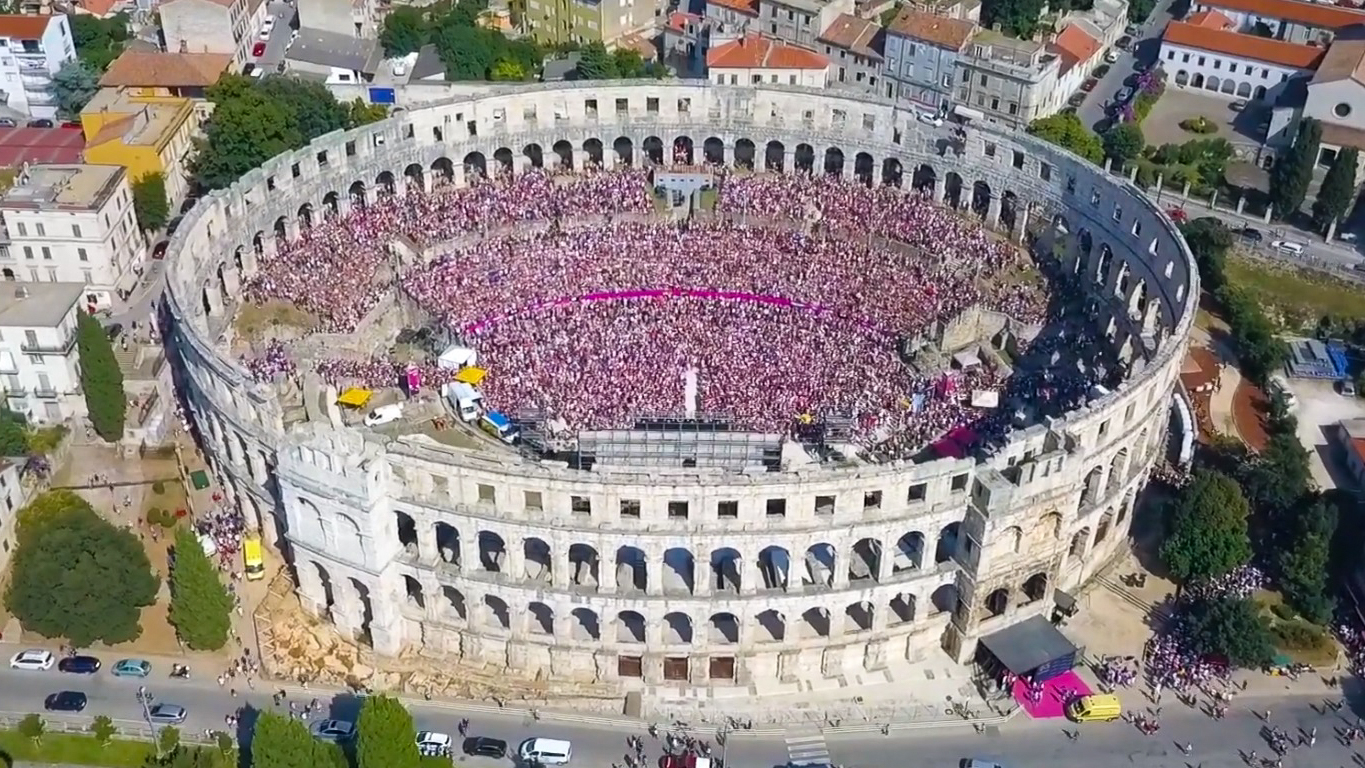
{"points": [[1225, 85]]}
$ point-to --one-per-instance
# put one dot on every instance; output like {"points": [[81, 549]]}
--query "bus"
{"points": [[254, 556]]}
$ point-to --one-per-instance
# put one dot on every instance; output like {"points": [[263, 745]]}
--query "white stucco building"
{"points": [[32, 49], [72, 224], [754, 60], [212, 26], [38, 356], [1230, 64]]}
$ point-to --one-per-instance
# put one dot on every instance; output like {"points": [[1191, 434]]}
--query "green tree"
{"points": [[361, 113], [103, 730], [405, 31], [1206, 531], [76, 576], [149, 201], [315, 109], [283, 742], [628, 63], [32, 728], [1278, 478], [595, 63], [507, 70], [168, 739], [243, 133], [1259, 350], [1229, 627], [1209, 240], [101, 379], [1124, 141], [385, 735], [1068, 132], [201, 608], [98, 41], [73, 86], [1338, 190], [1292, 174], [13, 433], [1304, 563], [1021, 18]]}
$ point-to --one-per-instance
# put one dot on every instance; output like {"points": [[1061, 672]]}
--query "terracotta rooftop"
{"points": [[1312, 14], [98, 7], [941, 31], [749, 7], [1210, 19], [754, 52], [165, 70], [21, 27], [40, 145], [679, 20], [1243, 46], [1075, 46], [1345, 60], [861, 36]]}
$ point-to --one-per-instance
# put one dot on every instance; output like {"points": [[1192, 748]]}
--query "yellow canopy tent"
{"points": [[354, 397], [471, 375]]}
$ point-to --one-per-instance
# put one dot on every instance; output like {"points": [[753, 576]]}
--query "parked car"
{"points": [[334, 731], [166, 714], [34, 659], [1251, 233], [1124, 43], [485, 747], [1288, 247], [1239, 105], [1089, 85], [131, 668], [65, 701], [1348, 388], [1112, 56], [930, 118], [8, 122], [258, 50], [41, 123], [384, 414], [1076, 99], [85, 665], [159, 251], [1123, 95]]}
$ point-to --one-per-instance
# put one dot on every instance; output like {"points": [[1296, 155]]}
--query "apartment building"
{"points": [[799, 22], [32, 49], [922, 49], [854, 48], [38, 355], [71, 224], [753, 60], [554, 22], [1010, 82], [212, 26]]}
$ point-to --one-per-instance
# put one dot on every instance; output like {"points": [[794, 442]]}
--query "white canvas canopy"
{"points": [[456, 358], [985, 398]]}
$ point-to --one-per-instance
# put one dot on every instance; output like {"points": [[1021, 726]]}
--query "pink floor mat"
{"points": [[1056, 692]]}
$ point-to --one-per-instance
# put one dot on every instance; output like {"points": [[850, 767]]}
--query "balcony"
{"points": [[45, 393], [44, 348], [17, 392]]}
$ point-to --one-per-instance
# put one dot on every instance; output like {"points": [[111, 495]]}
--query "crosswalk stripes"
{"points": [[807, 748]]}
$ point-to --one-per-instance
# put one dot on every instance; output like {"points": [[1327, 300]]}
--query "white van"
{"points": [[546, 751], [464, 399]]}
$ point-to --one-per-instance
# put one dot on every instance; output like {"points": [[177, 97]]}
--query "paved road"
{"points": [[1144, 49]]}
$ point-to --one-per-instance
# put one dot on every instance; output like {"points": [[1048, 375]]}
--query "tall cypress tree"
{"points": [[1294, 172], [1338, 190], [101, 379], [201, 608], [385, 735]]}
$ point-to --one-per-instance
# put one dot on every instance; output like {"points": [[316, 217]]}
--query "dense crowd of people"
{"points": [[787, 307]]}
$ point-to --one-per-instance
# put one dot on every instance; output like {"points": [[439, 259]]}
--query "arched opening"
{"points": [[454, 607], [953, 189], [306, 215], [682, 150], [1009, 210], [858, 616], [1105, 525], [981, 198], [443, 169], [902, 609], [593, 149], [495, 613], [1197, 81], [723, 630], [924, 178], [774, 567], [814, 623], [947, 543], [357, 193], [281, 228], [909, 552], [1036, 587], [492, 552], [713, 151], [384, 183], [362, 594], [1080, 543], [413, 173], [563, 154], [775, 156], [585, 566], [679, 571], [413, 589], [534, 155], [407, 532], [1228, 88], [540, 619], [328, 597], [998, 601], [631, 574], [654, 150], [475, 165], [539, 563], [892, 172], [630, 627], [448, 544], [625, 150], [1259, 93], [772, 627], [1117, 471], [505, 161], [1012, 539], [331, 208], [834, 161], [1090, 492], [865, 564], [805, 158], [1244, 90], [745, 154], [258, 240], [7, 273], [944, 598], [585, 624], [677, 628], [726, 573], [820, 563], [864, 167]]}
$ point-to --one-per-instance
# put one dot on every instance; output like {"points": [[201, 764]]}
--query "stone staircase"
{"points": [[127, 358]]}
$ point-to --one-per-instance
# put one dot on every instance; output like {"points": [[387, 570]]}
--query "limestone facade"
{"points": [[687, 577]]}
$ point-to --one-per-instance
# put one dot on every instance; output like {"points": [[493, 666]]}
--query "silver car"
{"points": [[166, 714]]}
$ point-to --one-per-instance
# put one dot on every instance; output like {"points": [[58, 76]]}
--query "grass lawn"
{"points": [[75, 749], [1300, 296], [1300, 640], [256, 322]]}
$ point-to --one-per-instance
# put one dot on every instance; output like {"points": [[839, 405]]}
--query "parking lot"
{"points": [[1318, 410]]}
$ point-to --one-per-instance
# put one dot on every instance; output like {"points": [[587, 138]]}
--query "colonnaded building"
{"points": [[498, 556]]}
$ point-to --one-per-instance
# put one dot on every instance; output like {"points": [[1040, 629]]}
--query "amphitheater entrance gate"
{"points": [[630, 666], [722, 668], [675, 667]]}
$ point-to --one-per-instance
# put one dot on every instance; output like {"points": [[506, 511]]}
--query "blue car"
{"points": [[79, 665], [132, 668]]}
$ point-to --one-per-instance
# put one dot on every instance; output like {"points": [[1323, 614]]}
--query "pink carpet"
{"points": [[1055, 692]]}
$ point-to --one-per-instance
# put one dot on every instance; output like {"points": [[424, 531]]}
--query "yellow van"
{"points": [[1097, 708], [254, 557]]}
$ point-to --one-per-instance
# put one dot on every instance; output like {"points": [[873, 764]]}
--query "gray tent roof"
{"points": [[1028, 645]]}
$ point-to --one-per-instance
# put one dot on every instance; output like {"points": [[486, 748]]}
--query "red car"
{"points": [[1089, 85], [258, 50]]}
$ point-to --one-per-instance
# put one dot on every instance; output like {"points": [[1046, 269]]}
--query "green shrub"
{"points": [[155, 515], [1298, 635], [1283, 611], [1199, 124], [158, 487]]}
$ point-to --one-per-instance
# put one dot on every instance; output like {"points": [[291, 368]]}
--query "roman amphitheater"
{"points": [[687, 552]]}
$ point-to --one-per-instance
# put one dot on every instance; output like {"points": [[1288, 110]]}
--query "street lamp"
{"points": [[145, 699]]}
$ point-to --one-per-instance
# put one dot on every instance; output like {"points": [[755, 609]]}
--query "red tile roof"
{"points": [[21, 27], [861, 36], [754, 52], [678, 20], [40, 145], [1210, 19], [1075, 46], [749, 7], [1243, 46], [944, 32], [1312, 14], [146, 69]]}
